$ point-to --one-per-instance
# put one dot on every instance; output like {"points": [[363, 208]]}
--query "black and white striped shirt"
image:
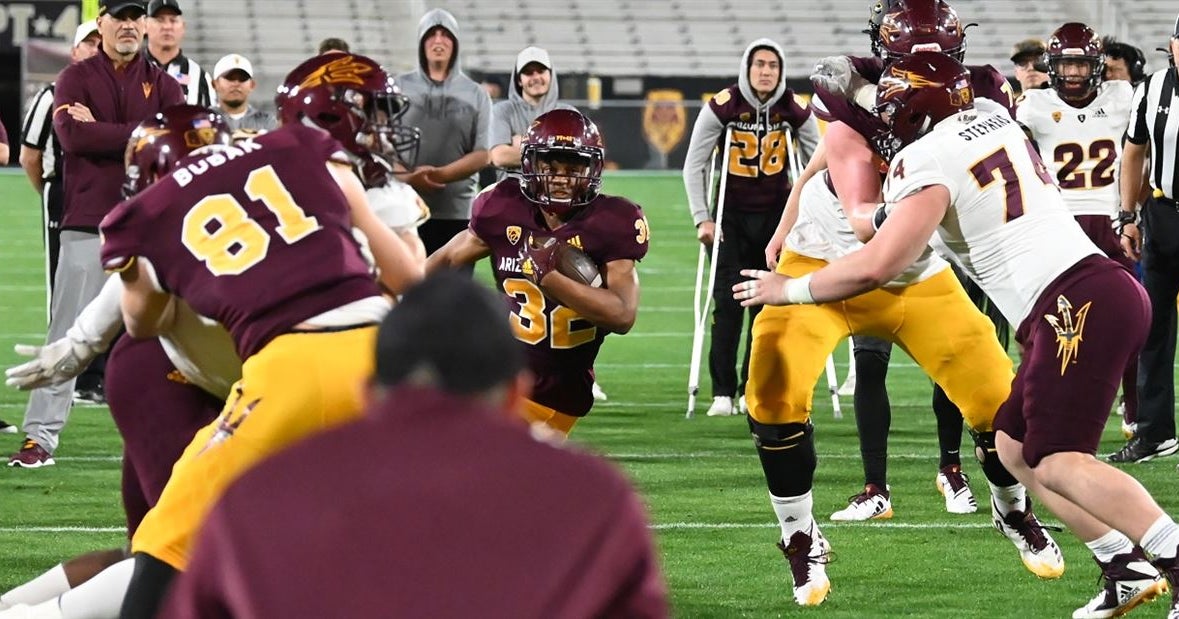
{"points": [[1155, 119], [196, 83], [37, 133]]}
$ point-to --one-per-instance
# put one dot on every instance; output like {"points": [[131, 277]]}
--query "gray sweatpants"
{"points": [[79, 277]]}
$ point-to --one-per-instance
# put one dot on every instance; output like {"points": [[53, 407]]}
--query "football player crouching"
{"points": [[555, 312]]}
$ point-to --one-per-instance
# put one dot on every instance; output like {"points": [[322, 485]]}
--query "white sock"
{"points": [[1008, 498], [1162, 538], [794, 513], [1109, 545], [100, 597], [44, 587]]}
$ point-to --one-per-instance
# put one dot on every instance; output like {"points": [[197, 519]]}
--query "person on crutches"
{"points": [[750, 124]]}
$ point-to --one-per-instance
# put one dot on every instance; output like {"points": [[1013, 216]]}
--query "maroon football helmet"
{"points": [[1075, 42], [356, 101], [876, 14], [159, 142], [569, 138], [918, 91], [910, 26]]}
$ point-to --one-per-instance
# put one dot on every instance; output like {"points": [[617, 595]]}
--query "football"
{"points": [[578, 266]]}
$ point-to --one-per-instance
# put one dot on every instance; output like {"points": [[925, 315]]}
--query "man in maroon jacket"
{"points": [[436, 495], [96, 105]]}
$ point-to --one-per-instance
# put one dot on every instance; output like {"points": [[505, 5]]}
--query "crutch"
{"points": [[796, 173], [849, 384], [701, 305]]}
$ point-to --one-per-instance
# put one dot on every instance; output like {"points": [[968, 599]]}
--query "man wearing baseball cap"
{"points": [[93, 127], [233, 79], [533, 92], [165, 34], [1030, 70]]}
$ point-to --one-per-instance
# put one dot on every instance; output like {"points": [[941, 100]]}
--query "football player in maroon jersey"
{"points": [[562, 322]]}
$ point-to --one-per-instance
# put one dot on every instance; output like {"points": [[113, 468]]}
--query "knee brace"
{"points": [[787, 454], [988, 457]]}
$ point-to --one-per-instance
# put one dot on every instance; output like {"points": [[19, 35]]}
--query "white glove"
{"points": [[52, 364], [836, 75]]}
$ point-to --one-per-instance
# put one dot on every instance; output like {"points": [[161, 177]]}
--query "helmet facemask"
{"points": [[1068, 83], [561, 179]]}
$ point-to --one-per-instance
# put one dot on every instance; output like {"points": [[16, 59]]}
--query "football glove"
{"points": [[836, 75], [538, 257], [52, 364]]}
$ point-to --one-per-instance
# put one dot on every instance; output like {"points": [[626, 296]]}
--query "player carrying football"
{"points": [[561, 320]]}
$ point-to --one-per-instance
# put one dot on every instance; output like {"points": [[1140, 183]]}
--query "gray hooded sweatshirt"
{"points": [[753, 122], [453, 116], [515, 116]]}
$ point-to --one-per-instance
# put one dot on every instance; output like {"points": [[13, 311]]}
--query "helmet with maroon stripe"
{"points": [[918, 91], [921, 26], [351, 97], [561, 161], [1077, 43], [158, 143]]}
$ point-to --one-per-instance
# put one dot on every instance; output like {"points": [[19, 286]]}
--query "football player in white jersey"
{"points": [[976, 182], [1078, 125]]}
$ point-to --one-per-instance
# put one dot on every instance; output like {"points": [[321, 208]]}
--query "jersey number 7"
{"points": [[999, 162]]}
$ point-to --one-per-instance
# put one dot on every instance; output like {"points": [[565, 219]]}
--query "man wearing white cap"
{"points": [[533, 92], [233, 79], [40, 154]]}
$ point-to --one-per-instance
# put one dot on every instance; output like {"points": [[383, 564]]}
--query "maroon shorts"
{"points": [[1065, 386], [1099, 229], [157, 413]]}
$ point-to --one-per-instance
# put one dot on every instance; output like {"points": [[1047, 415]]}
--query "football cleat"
{"points": [[1129, 430], [954, 485], [1141, 450], [7, 428], [722, 406], [1037, 549], [31, 456], [1127, 581], [1170, 569], [871, 504], [742, 406], [808, 556], [599, 395]]}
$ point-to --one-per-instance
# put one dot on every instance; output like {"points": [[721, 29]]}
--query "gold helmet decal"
{"points": [[144, 137], [899, 80], [346, 70]]}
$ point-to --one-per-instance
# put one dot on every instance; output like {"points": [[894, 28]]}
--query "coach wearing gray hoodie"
{"points": [[453, 113], [532, 93]]}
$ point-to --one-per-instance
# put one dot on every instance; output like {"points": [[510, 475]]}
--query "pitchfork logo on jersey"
{"points": [[1070, 328], [343, 71]]}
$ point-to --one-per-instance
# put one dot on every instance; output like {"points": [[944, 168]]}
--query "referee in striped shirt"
{"points": [[40, 154], [165, 33], [1151, 233]]}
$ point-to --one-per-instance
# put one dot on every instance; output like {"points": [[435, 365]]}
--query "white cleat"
{"points": [[871, 504], [1127, 581], [742, 406], [808, 555], [1037, 549], [596, 390], [954, 485], [722, 406]]}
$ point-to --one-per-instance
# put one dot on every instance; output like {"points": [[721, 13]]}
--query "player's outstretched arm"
{"points": [[614, 308], [147, 311], [899, 243], [463, 249], [399, 267]]}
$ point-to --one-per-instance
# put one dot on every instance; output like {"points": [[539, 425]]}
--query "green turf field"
{"points": [[700, 477]]}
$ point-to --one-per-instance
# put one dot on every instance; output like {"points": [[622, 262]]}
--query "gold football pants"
{"points": [[297, 385], [933, 321]]}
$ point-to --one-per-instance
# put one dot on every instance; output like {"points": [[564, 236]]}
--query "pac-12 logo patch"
{"points": [[513, 234]]}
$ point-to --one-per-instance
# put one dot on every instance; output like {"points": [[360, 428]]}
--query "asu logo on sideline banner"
{"points": [[664, 119]]}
